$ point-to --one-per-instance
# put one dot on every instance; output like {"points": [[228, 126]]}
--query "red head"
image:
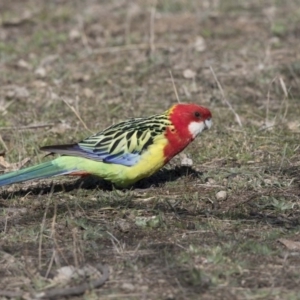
{"points": [[189, 120]]}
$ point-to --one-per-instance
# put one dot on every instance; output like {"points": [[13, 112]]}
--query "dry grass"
{"points": [[71, 67]]}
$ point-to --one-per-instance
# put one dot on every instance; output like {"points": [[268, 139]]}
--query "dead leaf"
{"points": [[4, 163], [67, 273], [17, 92], [64, 274], [268, 125], [26, 16], [22, 64], [291, 245], [13, 166], [123, 225], [294, 126]]}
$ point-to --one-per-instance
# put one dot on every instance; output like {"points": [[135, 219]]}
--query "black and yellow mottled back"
{"points": [[121, 143]]}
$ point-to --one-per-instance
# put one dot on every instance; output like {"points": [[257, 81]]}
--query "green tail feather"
{"points": [[40, 171]]}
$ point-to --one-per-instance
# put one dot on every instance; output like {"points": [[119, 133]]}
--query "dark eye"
{"points": [[197, 114]]}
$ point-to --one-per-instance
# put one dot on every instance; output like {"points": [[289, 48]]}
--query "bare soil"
{"points": [[69, 68]]}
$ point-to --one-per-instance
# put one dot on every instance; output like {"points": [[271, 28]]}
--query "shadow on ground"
{"points": [[92, 182]]}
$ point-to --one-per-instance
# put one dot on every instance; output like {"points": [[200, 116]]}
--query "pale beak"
{"points": [[208, 123]]}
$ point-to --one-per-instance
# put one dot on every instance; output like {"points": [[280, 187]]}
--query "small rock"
{"points": [[185, 161], [127, 286], [88, 93], [268, 125], [268, 181], [10, 94], [40, 72], [35, 204], [61, 128], [200, 44], [64, 274], [81, 77], [210, 181], [221, 195], [74, 34], [152, 221], [48, 60], [274, 40], [169, 296], [39, 84], [128, 69], [53, 96], [188, 74], [190, 226], [24, 64]]}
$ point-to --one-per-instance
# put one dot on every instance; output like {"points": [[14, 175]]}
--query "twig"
{"points": [[268, 101], [75, 248], [53, 237], [128, 48], [174, 86], [3, 143], [26, 17], [10, 294], [113, 239], [283, 157], [83, 36], [42, 229], [283, 86], [152, 18], [224, 98], [77, 115], [27, 127]]}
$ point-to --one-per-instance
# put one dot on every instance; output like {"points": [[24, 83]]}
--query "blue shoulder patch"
{"points": [[125, 159]]}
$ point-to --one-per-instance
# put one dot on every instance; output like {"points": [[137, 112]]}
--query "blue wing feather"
{"points": [[125, 159]]}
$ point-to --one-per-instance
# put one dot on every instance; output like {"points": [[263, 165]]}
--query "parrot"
{"points": [[123, 153]]}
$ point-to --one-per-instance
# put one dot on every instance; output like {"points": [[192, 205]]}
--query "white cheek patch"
{"points": [[196, 128]]}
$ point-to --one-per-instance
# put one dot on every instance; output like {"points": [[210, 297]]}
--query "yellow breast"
{"points": [[151, 161]]}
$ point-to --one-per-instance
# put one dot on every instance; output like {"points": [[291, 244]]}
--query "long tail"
{"points": [[44, 170]]}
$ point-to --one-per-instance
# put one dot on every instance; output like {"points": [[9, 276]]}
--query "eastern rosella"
{"points": [[125, 152]]}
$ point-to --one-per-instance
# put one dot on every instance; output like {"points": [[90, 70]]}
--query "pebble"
{"points": [[221, 195]]}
